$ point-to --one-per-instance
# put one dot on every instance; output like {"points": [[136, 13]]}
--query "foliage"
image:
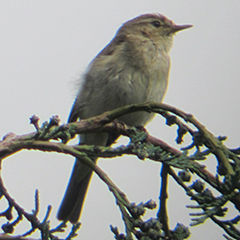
{"points": [[144, 146]]}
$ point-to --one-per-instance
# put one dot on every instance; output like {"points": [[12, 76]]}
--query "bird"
{"points": [[133, 68]]}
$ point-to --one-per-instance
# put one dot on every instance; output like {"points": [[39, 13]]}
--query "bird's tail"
{"points": [[72, 203]]}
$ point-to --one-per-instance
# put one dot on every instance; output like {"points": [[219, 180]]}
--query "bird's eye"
{"points": [[156, 24]]}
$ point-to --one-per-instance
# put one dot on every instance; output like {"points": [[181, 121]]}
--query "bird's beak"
{"points": [[176, 28]]}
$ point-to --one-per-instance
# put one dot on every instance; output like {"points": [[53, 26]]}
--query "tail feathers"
{"points": [[71, 206], [72, 203]]}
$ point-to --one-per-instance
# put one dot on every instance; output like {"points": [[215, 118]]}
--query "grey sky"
{"points": [[45, 47]]}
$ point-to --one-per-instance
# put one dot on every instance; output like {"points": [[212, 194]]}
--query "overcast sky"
{"points": [[46, 45]]}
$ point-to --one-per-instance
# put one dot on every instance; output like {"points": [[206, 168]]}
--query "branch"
{"points": [[142, 145]]}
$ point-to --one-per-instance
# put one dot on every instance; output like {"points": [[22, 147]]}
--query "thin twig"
{"points": [[162, 213]]}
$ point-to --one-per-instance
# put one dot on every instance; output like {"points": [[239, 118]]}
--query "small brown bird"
{"points": [[133, 68]]}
